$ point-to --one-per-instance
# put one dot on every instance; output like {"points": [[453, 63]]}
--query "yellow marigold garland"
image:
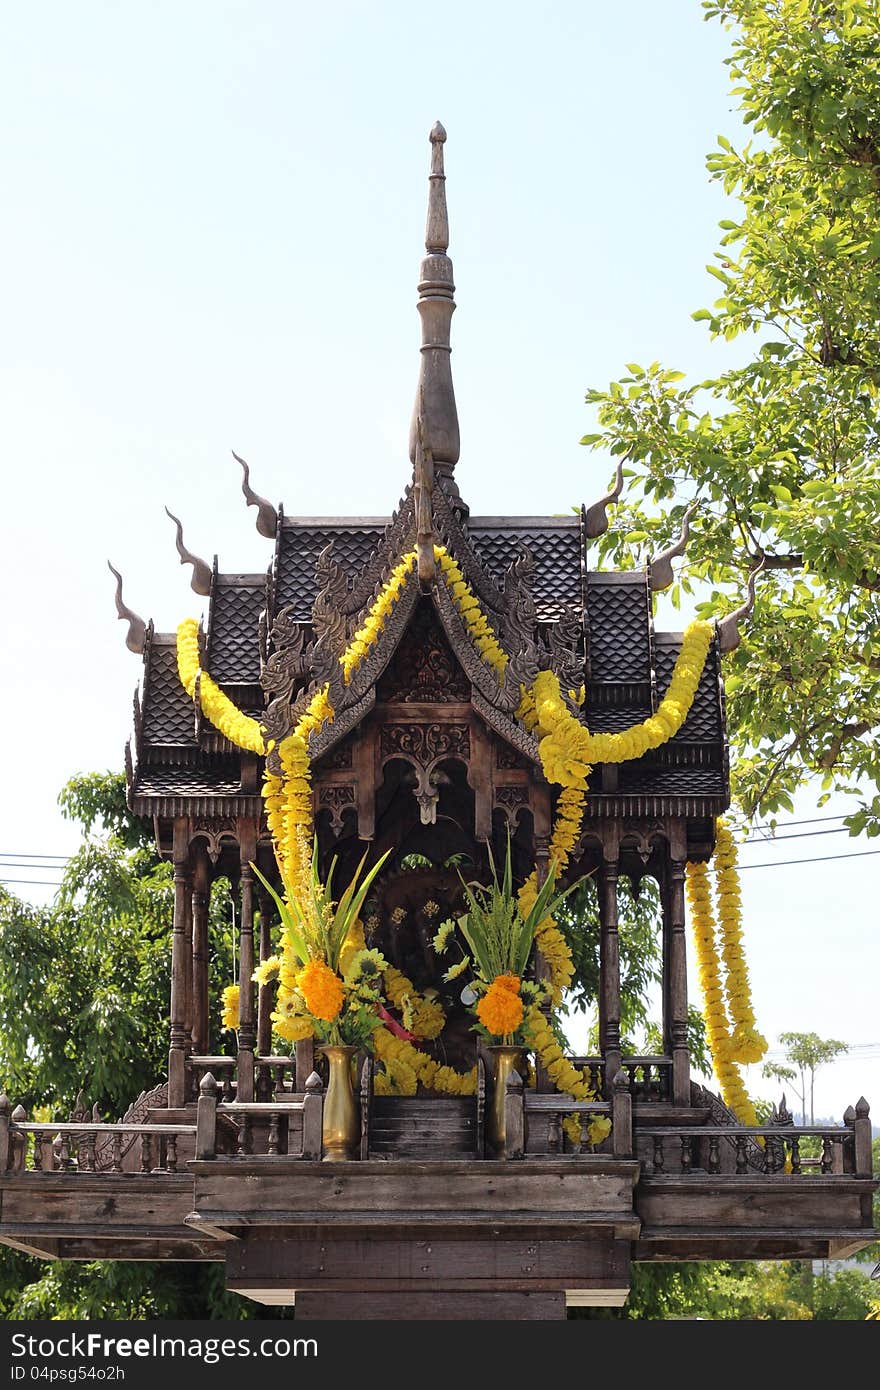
{"points": [[709, 973], [747, 1043], [239, 728]]}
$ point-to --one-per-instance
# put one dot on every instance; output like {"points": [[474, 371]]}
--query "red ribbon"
{"points": [[393, 1026]]}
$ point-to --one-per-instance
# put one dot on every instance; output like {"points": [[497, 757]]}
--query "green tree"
{"points": [[781, 454], [806, 1053], [86, 982]]}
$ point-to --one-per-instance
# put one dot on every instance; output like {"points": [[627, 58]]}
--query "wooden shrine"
{"points": [[425, 757]]}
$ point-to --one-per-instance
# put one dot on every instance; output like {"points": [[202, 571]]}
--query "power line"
{"points": [[823, 859], [798, 835], [34, 882], [15, 854]]}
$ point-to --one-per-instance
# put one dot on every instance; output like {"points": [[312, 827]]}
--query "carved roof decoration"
{"points": [[273, 638]]}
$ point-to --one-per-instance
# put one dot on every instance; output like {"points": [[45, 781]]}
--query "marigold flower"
{"points": [[500, 1010], [321, 989]]}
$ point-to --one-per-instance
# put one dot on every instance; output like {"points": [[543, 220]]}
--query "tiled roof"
{"points": [[555, 543], [618, 625], [234, 629], [168, 716], [187, 781]]}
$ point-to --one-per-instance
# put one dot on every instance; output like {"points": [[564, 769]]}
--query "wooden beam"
{"points": [[180, 965]]}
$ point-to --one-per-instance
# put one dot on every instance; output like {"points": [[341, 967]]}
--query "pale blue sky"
{"points": [[212, 226]]}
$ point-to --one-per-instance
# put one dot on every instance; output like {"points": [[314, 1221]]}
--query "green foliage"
{"points": [[786, 1291], [84, 995], [806, 1052], [782, 454]]}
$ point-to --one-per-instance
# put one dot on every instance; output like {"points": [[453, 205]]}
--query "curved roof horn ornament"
{"points": [[596, 516], [728, 628], [267, 516], [201, 572], [136, 637], [660, 571]]}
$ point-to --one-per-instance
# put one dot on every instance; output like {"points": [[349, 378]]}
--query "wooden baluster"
{"points": [[146, 1153], [687, 1156], [64, 1154], [116, 1164], [481, 1108], [837, 1153], [657, 1158], [272, 1142], [554, 1132], [228, 1094], [742, 1161], [5, 1146], [795, 1145], [714, 1154], [826, 1153], [87, 1151], [770, 1155], [18, 1141], [244, 1136], [171, 1154]]}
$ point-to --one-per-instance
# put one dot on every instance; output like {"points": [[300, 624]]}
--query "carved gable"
{"points": [[424, 669]]}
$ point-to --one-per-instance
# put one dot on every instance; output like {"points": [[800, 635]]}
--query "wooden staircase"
{"points": [[423, 1128]]}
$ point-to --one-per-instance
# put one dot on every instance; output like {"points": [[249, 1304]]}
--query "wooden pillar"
{"points": [[180, 963], [609, 969], [200, 898], [247, 1033], [543, 1082], [675, 976], [266, 993]]}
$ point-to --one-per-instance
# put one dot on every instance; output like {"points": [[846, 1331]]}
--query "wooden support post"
{"points": [[675, 981], [621, 1116], [543, 1082], [266, 993], [201, 886], [180, 964], [862, 1140], [247, 1032], [313, 1117], [609, 971], [206, 1118], [514, 1117], [188, 980], [304, 1054], [4, 1134]]}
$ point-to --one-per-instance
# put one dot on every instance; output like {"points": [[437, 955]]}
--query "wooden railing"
{"points": [[650, 1077], [222, 1069], [50, 1146], [290, 1127], [534, 1121], [741, 1150]]}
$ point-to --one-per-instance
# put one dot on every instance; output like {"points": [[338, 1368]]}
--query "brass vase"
{"points": [[505, 1060], [341, 1128]]}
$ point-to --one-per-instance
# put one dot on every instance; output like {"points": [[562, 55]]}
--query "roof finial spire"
{"points": [[435, 398]]}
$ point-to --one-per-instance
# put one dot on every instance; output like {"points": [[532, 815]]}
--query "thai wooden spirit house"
{"points": [[425, 757]]}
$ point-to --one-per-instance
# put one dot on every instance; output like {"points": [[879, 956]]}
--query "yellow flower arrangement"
{"points": [[266, 971], [230, 1017], [500, 1009], [406, 1067]]}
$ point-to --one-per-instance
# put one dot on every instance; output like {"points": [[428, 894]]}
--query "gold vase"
{"points": [[341, 1129], [505, 1060]]}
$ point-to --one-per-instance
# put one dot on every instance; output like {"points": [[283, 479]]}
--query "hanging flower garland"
{"points": [[238, 727], [718, 1036], [747, 1043]]}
